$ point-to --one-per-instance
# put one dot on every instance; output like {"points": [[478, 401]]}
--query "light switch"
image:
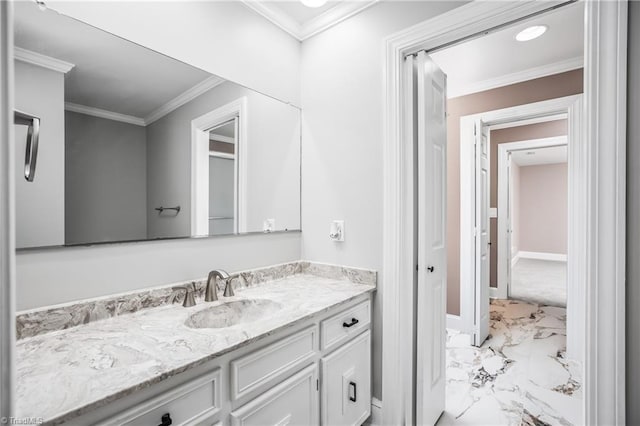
{"points": [[336, 231]]}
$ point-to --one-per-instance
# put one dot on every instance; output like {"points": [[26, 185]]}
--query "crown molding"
{"points": [[102, 113], [276, 16], [183, 98], [322, 22], [41, 60], [334, 16], [517, 77]]}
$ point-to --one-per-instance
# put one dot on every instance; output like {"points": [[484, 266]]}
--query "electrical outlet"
{"points": [[269, 225]]}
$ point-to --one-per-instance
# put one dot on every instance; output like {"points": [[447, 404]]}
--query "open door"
{"points": [[431, 241], [481, 320]]}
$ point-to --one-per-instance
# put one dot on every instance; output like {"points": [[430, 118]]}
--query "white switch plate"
{"points": [[269, 225], [336, 230]]}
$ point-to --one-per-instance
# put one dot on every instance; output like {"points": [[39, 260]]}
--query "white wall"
{"points": [[56, 276], [105, 180], [342, 101], [40, 204], [223, 37]]}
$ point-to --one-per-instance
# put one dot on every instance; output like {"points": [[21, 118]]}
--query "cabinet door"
{"points": [[292, 402], [346, 383]]}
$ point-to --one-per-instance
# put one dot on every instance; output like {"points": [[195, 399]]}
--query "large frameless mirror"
{"points": [[135, 145]]}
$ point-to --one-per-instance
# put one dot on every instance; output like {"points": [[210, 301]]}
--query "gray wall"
{"points": [[105, 180], [633, 218], [273, 161], [342, 100], [40, 204], [53, 276]]}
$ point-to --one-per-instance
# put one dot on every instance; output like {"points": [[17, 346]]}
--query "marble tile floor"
{"points": [[540, 281], [519, 376]]}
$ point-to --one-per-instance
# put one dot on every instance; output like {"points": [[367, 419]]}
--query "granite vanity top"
{"points": [[65, 373]]}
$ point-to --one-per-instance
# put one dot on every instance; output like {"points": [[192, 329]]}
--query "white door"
{"points": [[482, 234], [432, 249]]}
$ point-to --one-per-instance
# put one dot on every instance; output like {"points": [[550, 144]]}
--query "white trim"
{"points": [[556, 257], [200, 164], [41, 60], [520, 76], [103, 113], [535, 120], [454, 322], [605, 137], [183, 98], [219, 138], [308, 29], [376, 412], [223, 155], [605, 146]]}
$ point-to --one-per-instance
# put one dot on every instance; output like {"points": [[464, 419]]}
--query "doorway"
{"points": [[533, 179], [399, 267]]}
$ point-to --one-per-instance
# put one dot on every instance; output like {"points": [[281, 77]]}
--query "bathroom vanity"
{"points": [[290, 347]]}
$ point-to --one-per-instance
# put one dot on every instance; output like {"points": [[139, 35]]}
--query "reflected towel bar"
{"points": [[161, 209]]}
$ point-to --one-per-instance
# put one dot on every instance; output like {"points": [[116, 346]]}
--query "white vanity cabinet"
{"points": [[316, 372], [346, 383]]}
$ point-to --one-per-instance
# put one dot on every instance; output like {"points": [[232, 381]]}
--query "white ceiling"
{"points": [[303, 22], [110, 73], [498, 59], [538, 156]]}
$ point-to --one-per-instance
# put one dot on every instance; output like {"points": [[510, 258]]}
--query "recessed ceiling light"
{"points": [[313, 3], [531, 32]]}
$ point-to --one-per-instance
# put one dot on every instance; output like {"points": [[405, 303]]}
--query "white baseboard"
{"points": [[558, 257], [376, 412], [454, 322], [515, 259]]}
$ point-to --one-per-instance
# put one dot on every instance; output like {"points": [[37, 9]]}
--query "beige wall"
{"points": [[515, 213], [512, 134], [551, 87], [543, 208]]}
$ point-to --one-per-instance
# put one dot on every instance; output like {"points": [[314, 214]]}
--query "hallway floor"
{"points": [[540, 281], [519, 376]]}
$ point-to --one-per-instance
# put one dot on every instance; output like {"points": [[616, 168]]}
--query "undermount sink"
{"points": [[233, 313]]}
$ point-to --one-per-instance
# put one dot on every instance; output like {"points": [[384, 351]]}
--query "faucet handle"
{"points": [[189, 291], [228, 288]]}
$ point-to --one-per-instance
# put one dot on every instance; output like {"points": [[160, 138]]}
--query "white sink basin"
{"points": [[233, 313]]}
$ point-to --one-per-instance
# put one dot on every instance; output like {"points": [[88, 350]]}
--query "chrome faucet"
{"points": [[211, 292], [189, 291]]}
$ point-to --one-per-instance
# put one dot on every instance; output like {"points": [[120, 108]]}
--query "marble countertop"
{"points": [[66, 373]]}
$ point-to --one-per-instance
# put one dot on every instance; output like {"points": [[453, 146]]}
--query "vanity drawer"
{"points": [[193, 403], [346, 324], [265, 367], [293, 402]]}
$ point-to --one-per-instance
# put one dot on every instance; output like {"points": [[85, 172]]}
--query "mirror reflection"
{"points": [[135, 145]]}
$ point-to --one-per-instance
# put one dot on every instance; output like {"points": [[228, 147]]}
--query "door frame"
{"points": [[571, 106], [7, 217], [200, 165], [505, 254], [605, 150]]}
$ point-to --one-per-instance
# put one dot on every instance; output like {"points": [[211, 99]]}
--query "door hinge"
{"points": [[317, 384]]}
